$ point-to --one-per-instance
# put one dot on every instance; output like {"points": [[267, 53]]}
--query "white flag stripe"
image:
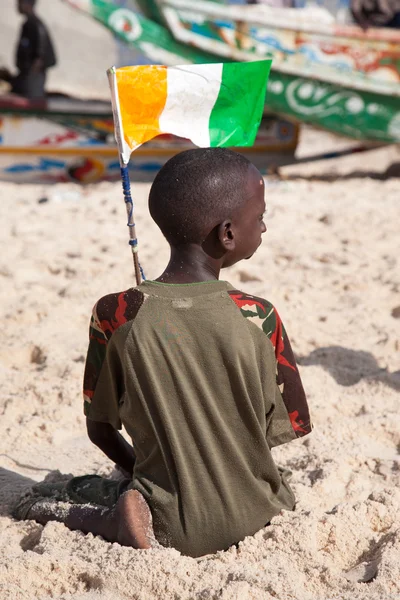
{"points": [[124, 149], [191, 95]]}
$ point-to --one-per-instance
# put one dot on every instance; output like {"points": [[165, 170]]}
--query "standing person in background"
{"points": [[376, 13], [35, 54]]}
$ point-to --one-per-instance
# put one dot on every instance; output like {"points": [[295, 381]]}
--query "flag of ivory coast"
{"points": [[212, 105]]}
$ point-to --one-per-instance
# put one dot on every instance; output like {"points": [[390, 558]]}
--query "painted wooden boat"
{"points": [[338, 77], [69, 140]]}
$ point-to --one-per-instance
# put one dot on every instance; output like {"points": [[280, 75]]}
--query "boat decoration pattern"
{"points": [[35, 149], [336, 54], [342, 110]]}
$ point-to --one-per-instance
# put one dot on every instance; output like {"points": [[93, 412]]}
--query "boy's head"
{"points": [[212, 197], [25, 7]]}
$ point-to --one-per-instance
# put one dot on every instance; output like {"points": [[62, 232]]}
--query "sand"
{"points": [[330, 263]]}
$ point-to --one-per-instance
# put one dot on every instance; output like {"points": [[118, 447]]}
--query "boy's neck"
{"points": [[190, 264]]}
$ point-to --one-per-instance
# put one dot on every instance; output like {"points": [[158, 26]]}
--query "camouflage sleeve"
{"points": [[264, 315], [96, 354], [103, 377]]}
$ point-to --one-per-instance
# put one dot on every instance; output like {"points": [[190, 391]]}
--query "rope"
{"points": [[133, 241]]}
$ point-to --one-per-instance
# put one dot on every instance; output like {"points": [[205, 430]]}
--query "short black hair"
{"points": [[195, 191]]}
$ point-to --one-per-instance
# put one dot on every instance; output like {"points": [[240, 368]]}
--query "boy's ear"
{"points": [[226, 235]]}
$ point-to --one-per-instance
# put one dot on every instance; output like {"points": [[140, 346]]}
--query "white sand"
{"points": [[330, 263]]}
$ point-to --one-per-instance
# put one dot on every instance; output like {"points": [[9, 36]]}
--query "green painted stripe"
{"points": [[237, 113]]}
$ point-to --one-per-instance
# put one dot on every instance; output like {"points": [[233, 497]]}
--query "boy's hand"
{"points": [[111, 442]]}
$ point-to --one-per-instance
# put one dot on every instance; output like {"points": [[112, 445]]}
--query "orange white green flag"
{"points": [[218, 104]]}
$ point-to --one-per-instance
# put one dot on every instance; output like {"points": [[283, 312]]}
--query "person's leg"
{"points": [[18, 84], [93, 489], [30, 85], [129, 522], [92, 504], [35, 85]]}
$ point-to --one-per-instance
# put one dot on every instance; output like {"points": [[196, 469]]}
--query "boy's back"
{"points": [[194, 383]]}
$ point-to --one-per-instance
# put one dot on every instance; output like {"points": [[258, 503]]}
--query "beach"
{"points": [[330, 264]]}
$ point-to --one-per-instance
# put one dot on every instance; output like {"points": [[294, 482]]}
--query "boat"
{"points": [[57, 140], [339, 77], [64, 139]]}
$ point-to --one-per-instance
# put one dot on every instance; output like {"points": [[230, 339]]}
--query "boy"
{"points": [[201, 376]]}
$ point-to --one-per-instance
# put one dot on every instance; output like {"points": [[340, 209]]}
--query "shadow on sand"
{"points": [[393, 171], [12, 486], [348, 367]]}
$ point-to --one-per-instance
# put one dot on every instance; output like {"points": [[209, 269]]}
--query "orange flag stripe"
{"points": [[142, 95]]}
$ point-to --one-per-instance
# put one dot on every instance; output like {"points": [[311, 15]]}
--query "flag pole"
{"points": [[124, 154]]}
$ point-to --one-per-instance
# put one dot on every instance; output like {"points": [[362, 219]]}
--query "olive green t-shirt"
{"points": [[204, 381]]}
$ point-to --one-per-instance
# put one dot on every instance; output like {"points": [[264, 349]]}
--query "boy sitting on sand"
{"points": [[202, 377]]}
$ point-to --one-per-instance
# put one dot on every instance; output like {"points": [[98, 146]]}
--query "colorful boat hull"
{"points": [[359, 115], [340, 78], [79, 148], [299, 40]]}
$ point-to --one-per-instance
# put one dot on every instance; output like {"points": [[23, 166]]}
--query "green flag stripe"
{"points": [[237, 113]]}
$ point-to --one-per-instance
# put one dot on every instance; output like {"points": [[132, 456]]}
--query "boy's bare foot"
{"points": [[134, 521]]}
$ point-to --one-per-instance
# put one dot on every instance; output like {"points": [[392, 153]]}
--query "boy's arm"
{"points": [[103, 389], [288, 379], [289, 385], [111, 442]]}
